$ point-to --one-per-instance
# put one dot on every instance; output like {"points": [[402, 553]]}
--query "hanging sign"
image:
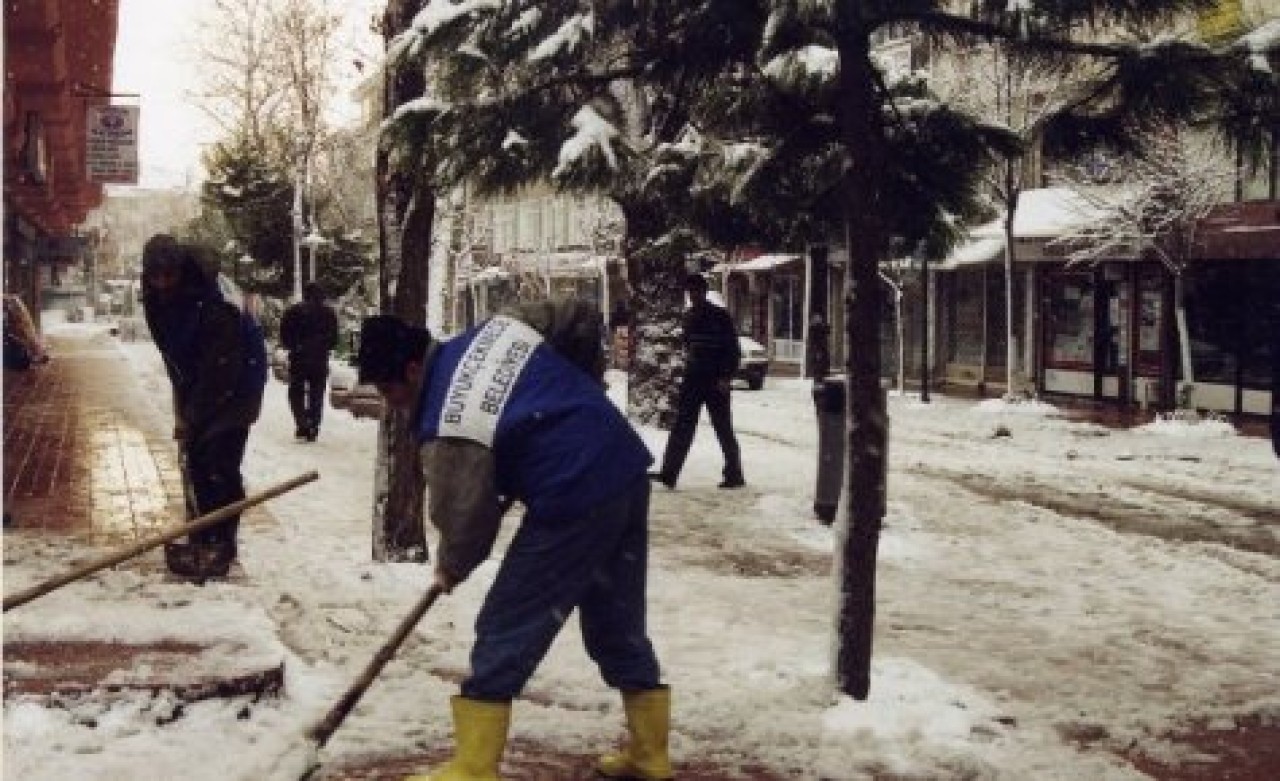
{"points": [[111, 156]]}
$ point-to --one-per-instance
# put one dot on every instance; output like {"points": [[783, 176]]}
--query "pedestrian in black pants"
{"points": [[711, 358], [215, 357], [308, 331]]}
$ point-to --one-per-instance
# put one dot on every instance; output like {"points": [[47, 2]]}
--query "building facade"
{"points": [[58, 62]]}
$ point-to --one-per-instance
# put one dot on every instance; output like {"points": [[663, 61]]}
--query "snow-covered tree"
{"points": [[268, 81], [407, 199], [610, 94], [1139, 85], [591, 97]]}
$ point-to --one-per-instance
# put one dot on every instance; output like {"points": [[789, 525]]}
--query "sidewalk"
{"points": [[86, 472], [78, 458]]}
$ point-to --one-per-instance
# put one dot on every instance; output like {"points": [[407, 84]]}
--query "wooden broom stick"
{"points": [[203, 522]]}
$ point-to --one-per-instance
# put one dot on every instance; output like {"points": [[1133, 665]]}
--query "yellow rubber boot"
{"points": [[648, 726], [480, 732]]}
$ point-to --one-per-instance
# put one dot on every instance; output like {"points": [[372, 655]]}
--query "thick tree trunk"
{"points": [[406, 211], [656, 271], [868, 242]]}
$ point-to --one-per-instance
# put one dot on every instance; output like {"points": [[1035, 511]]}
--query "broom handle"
{"points": [[203, 522], [322, 731]]}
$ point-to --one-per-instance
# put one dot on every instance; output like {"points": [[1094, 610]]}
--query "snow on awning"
{"points": [[1043, 214], [758, 263], [974, 252]]}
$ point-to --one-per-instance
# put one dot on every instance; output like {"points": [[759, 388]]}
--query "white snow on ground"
{"points": [[1044, 598]]}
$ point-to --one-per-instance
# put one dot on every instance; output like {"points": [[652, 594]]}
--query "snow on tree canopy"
{"points": [[437, 13], [422, 105], [808, 66], [566, 39], [1261, 42], [434, 15], [513, 140], [526, 21], [593, 131]]}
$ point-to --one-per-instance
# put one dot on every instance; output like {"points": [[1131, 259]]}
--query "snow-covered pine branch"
{"points": [[590, 146]]}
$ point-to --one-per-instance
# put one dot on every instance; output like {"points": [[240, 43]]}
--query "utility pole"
{"points": [[924, 330], [297, 226]]}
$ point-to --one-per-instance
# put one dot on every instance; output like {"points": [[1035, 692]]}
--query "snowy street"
{"points": [[1050, 602]]}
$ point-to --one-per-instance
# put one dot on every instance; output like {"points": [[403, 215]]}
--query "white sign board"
{"points": [[111, 137]]}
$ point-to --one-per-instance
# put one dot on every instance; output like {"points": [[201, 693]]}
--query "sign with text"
{"points": [[111, 156]]}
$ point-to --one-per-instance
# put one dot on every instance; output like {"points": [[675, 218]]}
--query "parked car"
{"points": [[755, 363]]}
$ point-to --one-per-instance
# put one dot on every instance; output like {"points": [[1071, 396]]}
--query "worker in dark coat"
{"points": [[504, 416], [216, 361], [711, 356], [309, 332]]}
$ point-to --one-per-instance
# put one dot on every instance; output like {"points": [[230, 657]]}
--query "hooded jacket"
{"points": [[203, 342]]}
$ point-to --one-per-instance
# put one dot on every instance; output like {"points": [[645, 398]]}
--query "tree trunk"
{"points": [[406, 210], [656, 271], [868, 242]]}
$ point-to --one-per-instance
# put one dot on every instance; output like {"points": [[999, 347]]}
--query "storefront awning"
{"points": [[757, 264], [1043, 215]]}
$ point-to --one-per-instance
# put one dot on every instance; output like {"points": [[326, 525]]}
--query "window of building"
{"points": [[503, 228], [1231, 316], [529, 230], [1070, 326], [788, 307]]}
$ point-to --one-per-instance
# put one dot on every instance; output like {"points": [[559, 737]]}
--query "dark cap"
{"points": [[387, 345]]}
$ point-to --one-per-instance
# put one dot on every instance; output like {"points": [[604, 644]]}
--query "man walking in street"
{"points": [[504, 417], [309, 332], [711, 357], [216, 360]]}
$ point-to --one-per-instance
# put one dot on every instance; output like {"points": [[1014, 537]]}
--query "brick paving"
{"points": [[86, 461], [77, 456]]}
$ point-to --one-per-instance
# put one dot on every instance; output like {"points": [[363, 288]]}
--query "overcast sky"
{"points": [[156, 58]]}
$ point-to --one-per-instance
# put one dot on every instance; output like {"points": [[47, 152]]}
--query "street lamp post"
{"points": [[313, 241], [297, 232]]}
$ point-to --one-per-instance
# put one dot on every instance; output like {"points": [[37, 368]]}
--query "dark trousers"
{"points": [[596, 563], [213, 473], [306, 395], [695, 391]]}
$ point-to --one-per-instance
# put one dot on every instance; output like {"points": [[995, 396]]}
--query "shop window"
{"points": [[1070, 330], [1231, 320], [1151, 327], [964, 331], [788, 308]]}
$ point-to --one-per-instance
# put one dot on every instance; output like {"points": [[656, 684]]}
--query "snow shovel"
{"points": [[203, 522], [189, 558], [301, 763]]}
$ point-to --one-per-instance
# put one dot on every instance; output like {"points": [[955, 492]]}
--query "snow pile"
{"points": [[1193, 425]]}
